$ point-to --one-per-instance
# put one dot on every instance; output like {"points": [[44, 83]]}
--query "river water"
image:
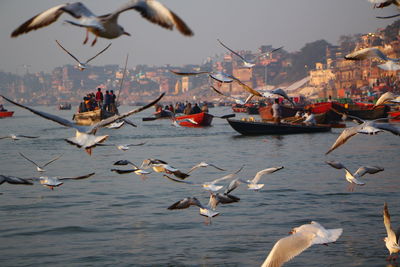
{"points": [[121, 220]]}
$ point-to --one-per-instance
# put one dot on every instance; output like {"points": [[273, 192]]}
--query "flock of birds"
{"points": [[106, 26]]}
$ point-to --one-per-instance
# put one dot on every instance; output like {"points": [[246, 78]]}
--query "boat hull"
{"points": [[5, 114], [265, 128], [267, 115], [363, 111], [91, 117], [202, 119]]}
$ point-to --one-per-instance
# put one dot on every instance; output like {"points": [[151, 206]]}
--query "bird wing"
{"points": [[139, 144], [233, 185], [384, 98], [287, 248], [246, 87], [122, 162], [216, 167], [78, 177], [56, 158], [343, 137], [367, 169], [90, 59], [129, 122], [180, 181], [366, 53], [335, 164], [109, 120], [226, 177], [31, 161], [48, 116], [386, 221], [157, 13], [50, 15], [186, 203], [27, 136], [281, 92], [242, 58], [123, 171], [258, 175], [14, 180], [69, 53], [387, 127], [189, 73]]}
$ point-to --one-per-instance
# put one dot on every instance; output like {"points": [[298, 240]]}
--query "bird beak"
{"points": [[127, 33]]}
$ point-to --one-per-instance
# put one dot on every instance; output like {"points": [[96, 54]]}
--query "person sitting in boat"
{"points": [[309, 118], [82, 106], [204, 108], [195, 109], [2, 108], [276, 111], [188, 109]]}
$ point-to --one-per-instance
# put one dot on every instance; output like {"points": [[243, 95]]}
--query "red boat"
{"points": [[286, 111], [394, 115], [202, 119], [4, 114]]}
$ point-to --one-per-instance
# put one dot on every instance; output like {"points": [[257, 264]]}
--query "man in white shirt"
{"points": [[309, 118]]}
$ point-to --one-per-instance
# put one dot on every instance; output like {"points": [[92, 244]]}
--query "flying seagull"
{"points": [[52, 182], [105, 26], [213, 185], [392, 238], [385, 3], [118, 124], [162, 166], [138, 171], [123, 147], [352, 178], [85, 135], [220, 77], [301, 238], [365, 127], [388, 97], [39, 168], [82, 65], [253, 183], [246, 64], [373, 52], [237, 100], [192, 201], [15, 137], [203, 165], [14, 180]]}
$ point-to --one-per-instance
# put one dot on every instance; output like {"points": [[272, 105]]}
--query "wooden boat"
{"points": [[262, 128], [5, 114], [202, 119], [239, 108], [394, 115], [365, 111], [91, 117], [64, 106], [286, 111]]}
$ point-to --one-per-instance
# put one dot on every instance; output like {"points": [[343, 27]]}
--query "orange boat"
{"points": [[5, 114], [202, 119]]}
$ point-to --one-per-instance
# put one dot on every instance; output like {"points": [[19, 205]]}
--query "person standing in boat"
{"points": [[188, 109], [276, 111], [99, 98], [204, 108], [107, 101], [113, 97], [2, 108]]}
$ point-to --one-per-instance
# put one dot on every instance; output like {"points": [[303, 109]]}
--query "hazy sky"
{"points": [[241, 24]]}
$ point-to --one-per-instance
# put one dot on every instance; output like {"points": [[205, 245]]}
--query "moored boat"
{"points": [[91, 117], [265, 128], [202, 119], [286, 111], [5, 114], [365, 111], [394, 115]]}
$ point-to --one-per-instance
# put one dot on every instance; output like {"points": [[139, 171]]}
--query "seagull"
{"points": [[123, 147], [203, 165], [387, 97], [352, 178], [392, 239], [365, 127], [218, 198], [385, 3], [52, 182], [373, 52], [192, 201], [210, 186], [138, 171], [237, 100], [301, 238], [176, 122], [246, 64], [253, 183], [85, 135], [162, 166], [82, 65], [220, 77], [15, 137], [118, 124], [40, 168], [105, 26], [14, 180]]}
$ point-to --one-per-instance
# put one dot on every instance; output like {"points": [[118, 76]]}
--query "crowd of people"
{"points": [[180, 107], [94, 101]]}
